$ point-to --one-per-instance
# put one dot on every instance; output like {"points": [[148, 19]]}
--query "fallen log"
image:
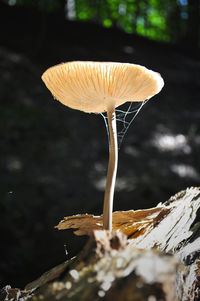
{"points": [[151, 254]]}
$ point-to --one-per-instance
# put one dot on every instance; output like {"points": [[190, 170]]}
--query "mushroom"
{"points": [[96, 87]]}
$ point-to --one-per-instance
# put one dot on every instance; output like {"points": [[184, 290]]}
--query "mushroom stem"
{"points": [[112, 167]]}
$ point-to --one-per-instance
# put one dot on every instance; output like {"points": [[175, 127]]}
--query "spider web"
{"points": [[124, 118]]}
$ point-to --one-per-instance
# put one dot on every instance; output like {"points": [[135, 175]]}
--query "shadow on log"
{"points": [[152, 254]]}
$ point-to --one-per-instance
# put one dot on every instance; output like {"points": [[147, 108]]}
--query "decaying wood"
{"points": [[8, 293], [151, 255], [131, 223]]}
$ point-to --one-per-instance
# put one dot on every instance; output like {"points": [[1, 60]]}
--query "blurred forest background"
{"points": [[53, 160]]}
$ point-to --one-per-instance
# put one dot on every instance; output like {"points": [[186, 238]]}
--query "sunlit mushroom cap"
{"points": [[89, 86]]}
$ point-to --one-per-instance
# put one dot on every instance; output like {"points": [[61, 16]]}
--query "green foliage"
{"points": [[164, 20], [148, 18]]}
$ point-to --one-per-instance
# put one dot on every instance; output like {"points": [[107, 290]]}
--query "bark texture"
{"points": [[151, 255]]}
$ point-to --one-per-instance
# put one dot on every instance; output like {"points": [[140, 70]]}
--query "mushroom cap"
{"points": [[89, 86]]}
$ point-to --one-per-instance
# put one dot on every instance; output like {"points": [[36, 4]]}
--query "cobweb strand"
{"points": [[124, 119]]}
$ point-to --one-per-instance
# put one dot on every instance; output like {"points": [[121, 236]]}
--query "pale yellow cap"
{"points": [[89, 86]]}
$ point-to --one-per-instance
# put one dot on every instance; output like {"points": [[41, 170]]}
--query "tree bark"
{"points": [[159, 261]]}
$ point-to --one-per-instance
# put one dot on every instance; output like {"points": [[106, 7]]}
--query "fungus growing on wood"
{"points": [[96, 87]]}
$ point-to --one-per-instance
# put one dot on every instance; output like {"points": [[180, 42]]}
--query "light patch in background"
{"points": [[11, 2], [70, 10], [131, 150], [99, 167], [128, 49], [185, 171], [122, 9], [122, 184], [14, 164], [197, 139], [183, 2], [169, 142]]}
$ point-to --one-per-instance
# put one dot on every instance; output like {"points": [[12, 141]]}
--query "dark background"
{"points": [[53, 159]]}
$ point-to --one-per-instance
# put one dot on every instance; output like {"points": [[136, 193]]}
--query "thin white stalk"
{"points": [[112, 167]]}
